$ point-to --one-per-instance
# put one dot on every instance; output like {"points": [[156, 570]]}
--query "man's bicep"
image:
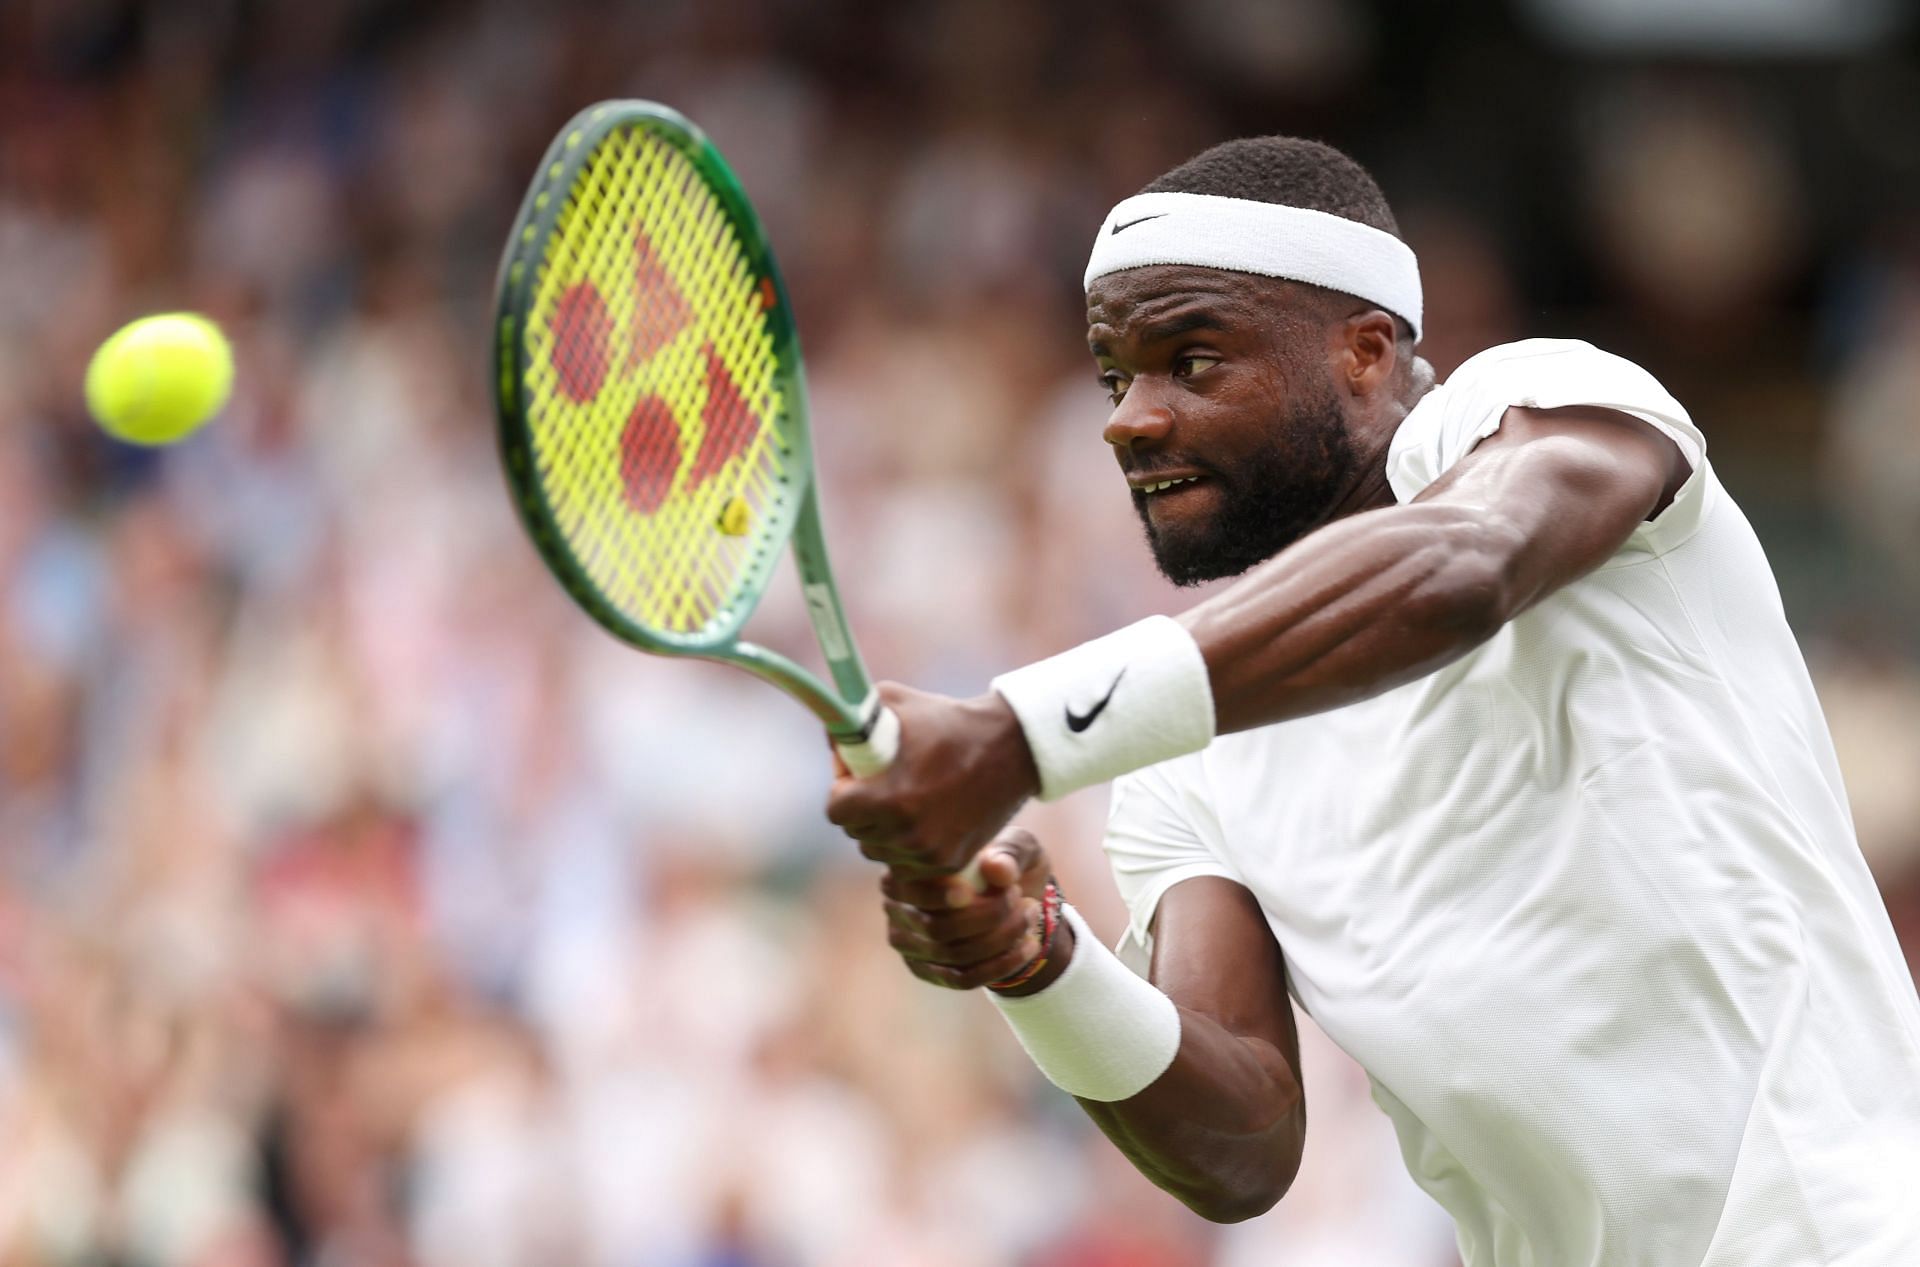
{"points": [[1571, 484], [1152, 844], [1215, 954]]}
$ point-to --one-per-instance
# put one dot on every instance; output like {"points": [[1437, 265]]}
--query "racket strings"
{"points": [[709, 227], [723, 271], [654, 402]]}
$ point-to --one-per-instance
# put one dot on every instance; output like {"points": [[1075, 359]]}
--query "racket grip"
{"points": [[875, 753]]}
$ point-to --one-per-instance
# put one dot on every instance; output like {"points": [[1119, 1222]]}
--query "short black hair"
{"points": [[1289, 170]]}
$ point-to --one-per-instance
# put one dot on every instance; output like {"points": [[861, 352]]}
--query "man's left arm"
{"points": [[1352, 610], [1385, 597]]}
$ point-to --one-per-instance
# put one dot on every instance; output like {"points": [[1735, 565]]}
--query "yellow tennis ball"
{"points": [[160, 377], [735, 517]]}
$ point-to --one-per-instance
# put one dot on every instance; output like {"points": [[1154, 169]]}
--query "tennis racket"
{"points": [[653, 410]]}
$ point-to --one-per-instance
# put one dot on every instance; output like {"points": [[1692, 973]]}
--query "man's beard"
{"points": [[1268, 502]]}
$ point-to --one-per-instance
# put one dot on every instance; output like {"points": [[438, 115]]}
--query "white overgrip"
{"points": [[872, 755]]}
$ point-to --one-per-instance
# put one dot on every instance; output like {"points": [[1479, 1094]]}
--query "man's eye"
{"points": [[1114, 385], [1188, 366]]}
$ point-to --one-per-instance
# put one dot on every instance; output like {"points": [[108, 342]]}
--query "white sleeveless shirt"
{"points": [[1586, 904]]}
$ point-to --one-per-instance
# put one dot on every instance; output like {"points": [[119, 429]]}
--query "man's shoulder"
{"points": [[1530, 374], [1542, 360]]}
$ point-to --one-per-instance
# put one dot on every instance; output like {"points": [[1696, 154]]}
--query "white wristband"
{"points": [[1098, 1031], [1138, 696]]}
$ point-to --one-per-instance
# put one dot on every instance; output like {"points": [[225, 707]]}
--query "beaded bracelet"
{"points": [[1050, 900]]}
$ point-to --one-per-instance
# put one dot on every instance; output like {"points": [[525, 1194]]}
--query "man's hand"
{"points": [[953, 936], [962, 771]]}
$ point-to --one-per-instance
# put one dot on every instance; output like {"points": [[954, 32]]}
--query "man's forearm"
{"points": [[1351, 611], [1381, 598], [1218, 1118], [1222, 1129]]}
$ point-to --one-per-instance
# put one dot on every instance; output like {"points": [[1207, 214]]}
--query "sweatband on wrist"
{"points": [[1136, 697], [1098, 1032], [1245, 236]]}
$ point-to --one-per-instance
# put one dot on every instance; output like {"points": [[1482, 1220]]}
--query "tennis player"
{"points": [[1500, 758]]}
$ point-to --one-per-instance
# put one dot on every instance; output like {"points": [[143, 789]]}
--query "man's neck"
{"points": [[1372, 490]]}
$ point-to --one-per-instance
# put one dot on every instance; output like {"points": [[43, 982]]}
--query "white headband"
{"points": [[1261, 237]]}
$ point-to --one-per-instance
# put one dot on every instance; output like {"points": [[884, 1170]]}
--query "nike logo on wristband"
{"points": [[1077, 722], [1142, 220]]}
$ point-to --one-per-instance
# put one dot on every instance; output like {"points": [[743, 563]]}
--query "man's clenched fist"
{"points": [[956, 936], [962, 771]]}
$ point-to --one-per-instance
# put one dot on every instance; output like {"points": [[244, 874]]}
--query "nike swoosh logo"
{"points": [[1077, 722], [1142, 220]]}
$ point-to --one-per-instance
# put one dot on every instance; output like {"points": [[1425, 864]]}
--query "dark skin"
{"points": [[1372, 595], [1223, 1128]]}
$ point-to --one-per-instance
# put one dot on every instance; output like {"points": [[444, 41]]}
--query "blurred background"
{"points": [[362, 903]]}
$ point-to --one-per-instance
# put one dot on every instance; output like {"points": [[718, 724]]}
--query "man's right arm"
{"points": [[1222, 1126]]}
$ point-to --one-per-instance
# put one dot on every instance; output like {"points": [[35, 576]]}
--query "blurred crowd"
{"points": [[362, 903]]}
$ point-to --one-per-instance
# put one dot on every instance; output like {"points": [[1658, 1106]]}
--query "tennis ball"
{"points": [[160, 377], [735, 517]]}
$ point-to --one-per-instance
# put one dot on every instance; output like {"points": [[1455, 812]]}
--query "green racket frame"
{"points": [[849, 708]]}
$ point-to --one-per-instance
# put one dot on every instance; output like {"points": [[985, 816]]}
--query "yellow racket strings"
{"points": [[651, 387]]}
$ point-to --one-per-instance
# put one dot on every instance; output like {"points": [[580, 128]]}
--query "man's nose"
{"points": [[1139, 421]]}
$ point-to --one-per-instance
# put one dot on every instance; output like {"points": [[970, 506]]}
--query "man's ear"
{"points": [[1366, 352]]}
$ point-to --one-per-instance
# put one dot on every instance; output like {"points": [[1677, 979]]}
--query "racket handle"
{"points": [[875, 753]]}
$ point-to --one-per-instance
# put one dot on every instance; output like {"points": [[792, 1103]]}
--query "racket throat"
{"points": [[823, 609]]}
